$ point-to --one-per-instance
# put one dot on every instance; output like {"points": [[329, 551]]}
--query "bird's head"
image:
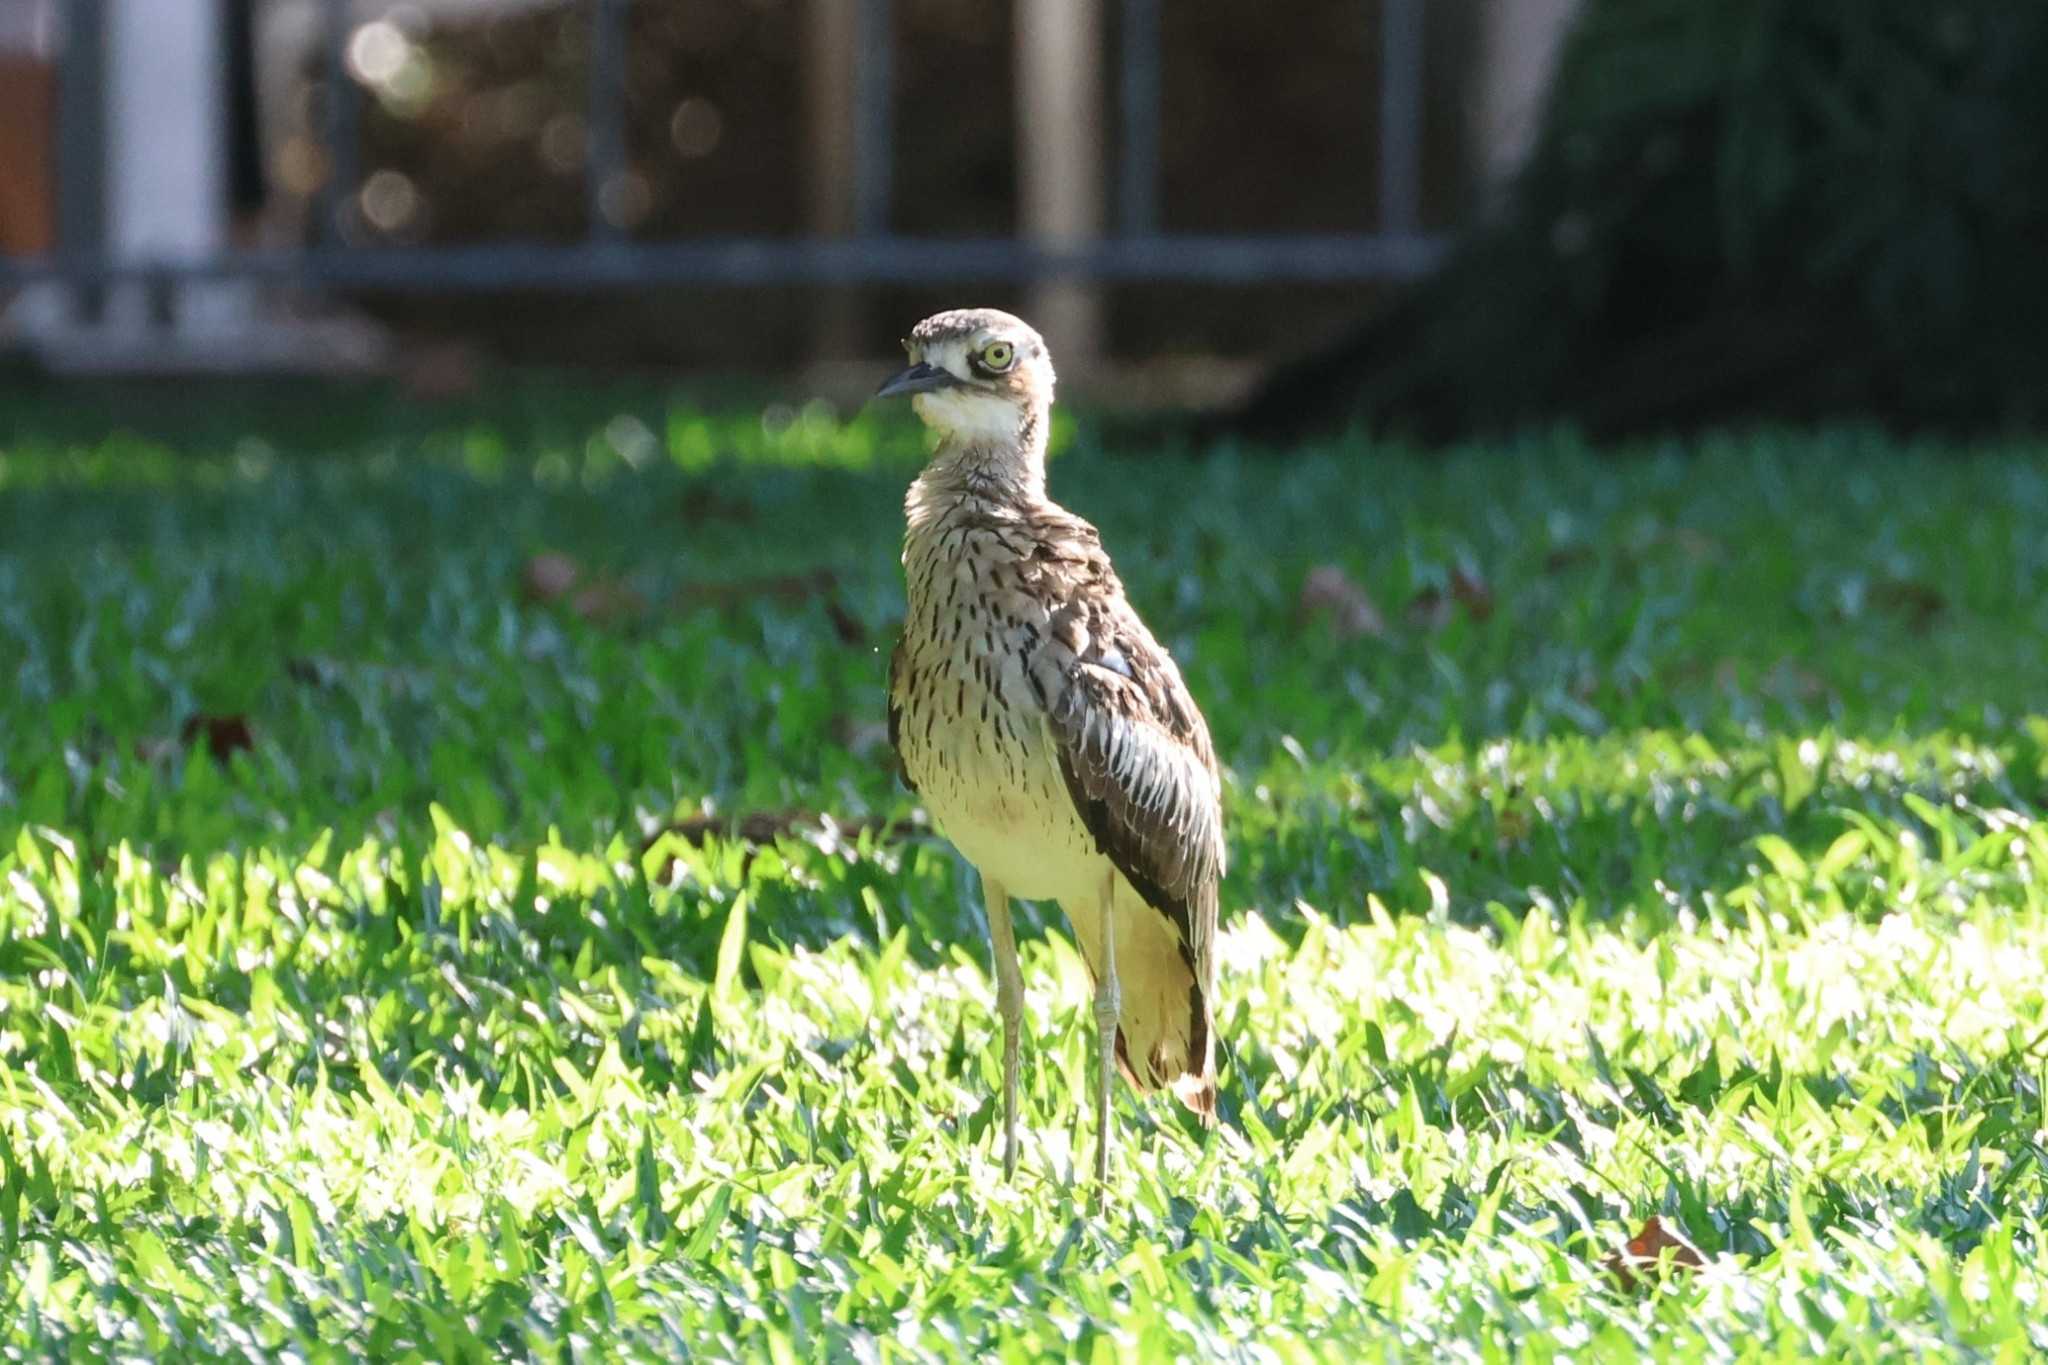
{"points": [[976, 376]]}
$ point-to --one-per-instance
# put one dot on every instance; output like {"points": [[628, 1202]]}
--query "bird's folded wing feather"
{"points": [[1136, 757]]}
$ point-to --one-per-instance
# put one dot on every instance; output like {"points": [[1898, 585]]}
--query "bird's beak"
{"points": [[919, 378]]}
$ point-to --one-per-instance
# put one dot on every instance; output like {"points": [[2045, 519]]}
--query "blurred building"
{"points": [[28, 109], [192, 130]]}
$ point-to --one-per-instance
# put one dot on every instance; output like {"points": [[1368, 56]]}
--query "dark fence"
{"points": [[1134, 250]]}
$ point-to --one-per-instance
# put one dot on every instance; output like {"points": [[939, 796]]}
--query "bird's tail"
{"points": [[1199, 1094], [1164, 1040], [1194, 1084]]}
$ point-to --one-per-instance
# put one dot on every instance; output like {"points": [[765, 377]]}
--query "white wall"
{"points": [[28, 28], [166, 153], [1518, 55], [166, 162]]}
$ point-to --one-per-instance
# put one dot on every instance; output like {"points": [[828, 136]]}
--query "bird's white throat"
{"points": [[966, 416]]}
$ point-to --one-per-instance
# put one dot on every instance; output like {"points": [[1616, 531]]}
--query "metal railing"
{"points": [[1136, 247]]}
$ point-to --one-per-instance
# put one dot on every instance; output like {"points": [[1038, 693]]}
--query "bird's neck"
{"points": [[1006, 468]]}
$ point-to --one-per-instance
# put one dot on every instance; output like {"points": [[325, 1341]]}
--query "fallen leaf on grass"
{"points": [[223, 736], [1430, 609], [552, 577], [1920, 603], [1469, 590], [549, 575], [1329, 591], [1651, 1254]]}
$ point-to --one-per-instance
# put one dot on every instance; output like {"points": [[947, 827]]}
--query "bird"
{"points": [[1049, 735]]}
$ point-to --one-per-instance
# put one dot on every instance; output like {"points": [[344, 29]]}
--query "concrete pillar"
{"points": [[831, 61], [166, 162], [29, 209], [28, 112], [1059, 159], [1519, 45]]}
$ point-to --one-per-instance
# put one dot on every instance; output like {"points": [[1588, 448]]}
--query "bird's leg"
{"points": [[1010, 1004], [1108, 1008]]}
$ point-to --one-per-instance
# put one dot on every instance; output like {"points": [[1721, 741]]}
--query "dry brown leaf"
{"points": [[1469, 590], [1920, 603], [1652, 1253], [224, 736], [1329, 591], [548, 576], [1430, 609], [552, 576]]}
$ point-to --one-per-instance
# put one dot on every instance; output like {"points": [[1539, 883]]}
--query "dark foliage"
{"points": [[1739, 210]]}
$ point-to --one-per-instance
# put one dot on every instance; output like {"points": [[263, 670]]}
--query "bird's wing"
{"points": [[1136, 756]]}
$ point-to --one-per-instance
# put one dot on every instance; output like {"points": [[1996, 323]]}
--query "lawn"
{"points": [[381, 972]]}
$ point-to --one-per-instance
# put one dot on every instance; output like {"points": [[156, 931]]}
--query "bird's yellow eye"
{"points": [[998, 355]]}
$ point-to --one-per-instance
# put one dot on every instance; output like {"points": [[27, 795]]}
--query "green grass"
{"points": [[1702, 877]]}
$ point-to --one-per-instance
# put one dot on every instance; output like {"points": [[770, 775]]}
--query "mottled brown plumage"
{"points": [[1049, 733]]}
